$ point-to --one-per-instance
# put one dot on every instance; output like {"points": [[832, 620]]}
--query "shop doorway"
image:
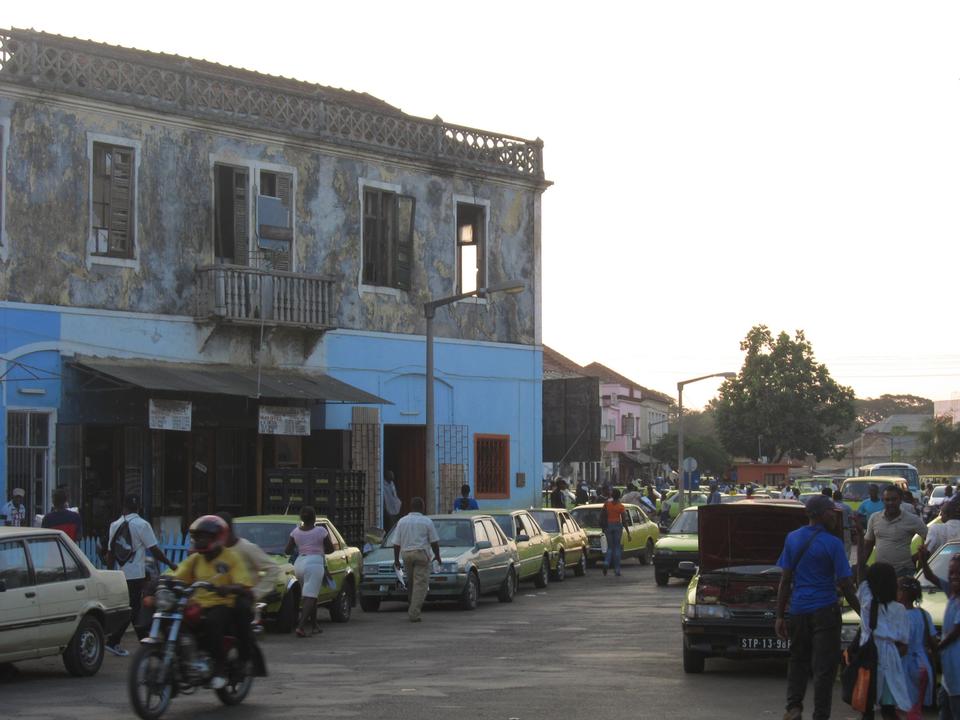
{"points": [[28, 452], [403, 453]]}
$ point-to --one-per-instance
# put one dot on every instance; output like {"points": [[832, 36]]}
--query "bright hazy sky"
{"points": [[717, 164]]}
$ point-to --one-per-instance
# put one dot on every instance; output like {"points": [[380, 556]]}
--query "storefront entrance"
{"points": [[404, 448]]}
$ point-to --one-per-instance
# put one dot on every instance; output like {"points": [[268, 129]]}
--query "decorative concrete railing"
{"points": [[171, 84], [245, 295]]}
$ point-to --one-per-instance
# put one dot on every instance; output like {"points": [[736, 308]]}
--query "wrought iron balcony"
{"points": [[251, 296]]}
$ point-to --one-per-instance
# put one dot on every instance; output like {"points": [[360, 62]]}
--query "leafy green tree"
{"points": [[712, 458], [783, 403], [939, 443]]}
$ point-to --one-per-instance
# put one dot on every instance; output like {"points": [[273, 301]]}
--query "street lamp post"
{"points": [[510, 287], [726, 375]]}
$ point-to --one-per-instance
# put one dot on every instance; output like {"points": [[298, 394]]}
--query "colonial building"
{"points": [[213, 281]]}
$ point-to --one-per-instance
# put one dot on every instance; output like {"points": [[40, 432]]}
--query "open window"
{"points": [[387, 238], [471, 247], [231, 212], [112, 208], [275, 219]]}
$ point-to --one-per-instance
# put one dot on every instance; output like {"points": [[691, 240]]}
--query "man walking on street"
{"points": [[948, 529], [813, 564], [62, 518], [714, 497], [15, 512], [871, 505], [128, 541], [891, 532], [415, 537]]}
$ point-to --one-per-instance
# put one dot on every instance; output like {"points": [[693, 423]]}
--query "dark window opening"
{"points": [[387, 238], [112, 207], [230, 215]]}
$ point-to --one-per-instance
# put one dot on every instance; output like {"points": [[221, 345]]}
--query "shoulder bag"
{"points": [[858, 679]]}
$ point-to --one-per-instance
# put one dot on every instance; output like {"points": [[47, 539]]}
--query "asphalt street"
{"points": [[585, 649]]}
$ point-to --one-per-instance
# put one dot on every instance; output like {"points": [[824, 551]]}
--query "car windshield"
{"points": [[271, 537], [685, 524], [587, 517], [938, 491], [859, 491], [940, 563], [452, 533], [547, 520], [506, 524]]}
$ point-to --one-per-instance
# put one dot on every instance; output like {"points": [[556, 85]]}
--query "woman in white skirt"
{"points": [[312, 542]]}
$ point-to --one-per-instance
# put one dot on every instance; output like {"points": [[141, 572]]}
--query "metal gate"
{"points": [[453, 462], [365, 456], [28, 453]]}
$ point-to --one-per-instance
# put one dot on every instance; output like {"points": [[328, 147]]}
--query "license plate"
{"points": [[764, 643], [384, 588]]}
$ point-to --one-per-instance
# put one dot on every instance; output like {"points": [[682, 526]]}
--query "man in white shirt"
{"points": [[414, 538], [15, 512], [949, 529], [128, 541]]}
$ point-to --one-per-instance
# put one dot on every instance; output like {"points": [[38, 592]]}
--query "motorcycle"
{"points": [[170, 662]]}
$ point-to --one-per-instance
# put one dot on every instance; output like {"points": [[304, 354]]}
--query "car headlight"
{"points": [[848, 632], [448, 567], [711, 612], [664, 552], [371, 569], [165, 599]]}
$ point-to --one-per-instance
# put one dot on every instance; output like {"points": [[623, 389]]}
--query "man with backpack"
{"points": [[128, 541]]}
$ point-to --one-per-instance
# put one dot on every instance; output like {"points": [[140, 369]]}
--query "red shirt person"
{"points": [[61, 518]]}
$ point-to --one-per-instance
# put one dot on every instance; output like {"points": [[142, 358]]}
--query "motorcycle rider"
{"points": [[210, 560]]}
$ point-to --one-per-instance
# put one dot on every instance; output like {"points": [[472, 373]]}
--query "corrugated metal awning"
{"points": [[228, 380]]}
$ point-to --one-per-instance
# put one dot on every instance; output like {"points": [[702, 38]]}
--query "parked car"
{"points": [[644, 533], [856, 490], [53, 601], [730, 604], [938, 496], [677, 545], [533, 544], [568, 542], [478, 559], [271, 533], [673, 503]]}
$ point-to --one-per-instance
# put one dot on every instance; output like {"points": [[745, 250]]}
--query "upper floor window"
{"points": [[231, 215], [275, 219], [112, 209], [471, 247], [387, 238]]}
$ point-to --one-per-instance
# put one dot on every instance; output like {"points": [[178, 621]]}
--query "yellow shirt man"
{"points": [[227, 568]]}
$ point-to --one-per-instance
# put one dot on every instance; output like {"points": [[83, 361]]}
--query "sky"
{"points": [[716, 165]]}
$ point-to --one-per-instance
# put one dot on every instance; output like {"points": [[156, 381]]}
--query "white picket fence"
{"points": [[175, 545]]}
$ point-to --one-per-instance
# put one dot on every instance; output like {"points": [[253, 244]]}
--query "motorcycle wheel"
{"points": [[237, 688], [150, 692]]}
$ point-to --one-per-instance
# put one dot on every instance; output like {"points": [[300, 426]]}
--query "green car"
{"points": [[568, 542], [673, 503], [533, 544], [680, 543], [478, 559], [640, 544], [271, 533]]}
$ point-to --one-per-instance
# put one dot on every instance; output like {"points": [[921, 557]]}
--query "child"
{"points": [[949, 696], [891, 634], [916, 663]]}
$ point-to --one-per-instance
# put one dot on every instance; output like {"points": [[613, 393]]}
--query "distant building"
{"points": [[949, 408]]}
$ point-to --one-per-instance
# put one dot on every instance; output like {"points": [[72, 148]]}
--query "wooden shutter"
{"points": [[403, 248], [241, 223], [284, 187], [371, 225], [121, 203]]}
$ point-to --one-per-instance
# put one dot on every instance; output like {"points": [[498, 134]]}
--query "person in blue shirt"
{"points": [[948, 697], [465, 502], [871, 505], [813, 564]]}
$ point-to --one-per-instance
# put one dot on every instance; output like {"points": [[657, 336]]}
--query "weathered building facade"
{"points": [[211, 276]]}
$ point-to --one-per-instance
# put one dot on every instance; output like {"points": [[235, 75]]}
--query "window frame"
{"points": [[484, 260], [31, 580], [4, 144], [92, 256], [39, 539], [390, 290], [503, 491]]}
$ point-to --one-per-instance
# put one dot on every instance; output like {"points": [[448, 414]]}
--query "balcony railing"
{"points": [[245, 295]]}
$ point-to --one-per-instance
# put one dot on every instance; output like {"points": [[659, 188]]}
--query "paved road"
{"points": [[586, 649]]}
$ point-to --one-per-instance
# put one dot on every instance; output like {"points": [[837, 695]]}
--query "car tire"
{"points": [[561, 572], [662, 577], [693, 662], [646, 555], [508, 589], [369, 604], [289, 612], [543, 576], [84, 654], [580, 569], [342, 605], [471, 592]]}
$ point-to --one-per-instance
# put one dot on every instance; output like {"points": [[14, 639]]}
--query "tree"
{"points": [[783, 403], [872, 410], [712, 458], [939, 443]]}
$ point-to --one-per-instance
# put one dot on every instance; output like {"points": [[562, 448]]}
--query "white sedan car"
{"points": [[54, 602]]}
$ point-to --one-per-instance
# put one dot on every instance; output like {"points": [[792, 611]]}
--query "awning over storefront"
{"points": [[228, 380], [637, 458]]}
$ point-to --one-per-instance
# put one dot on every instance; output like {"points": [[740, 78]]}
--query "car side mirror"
{"points": [[523, 538], [483, 545], [687, 566]]}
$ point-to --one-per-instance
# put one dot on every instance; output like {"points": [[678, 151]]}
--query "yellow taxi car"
{"points": [[568, 542], [640, 543]]}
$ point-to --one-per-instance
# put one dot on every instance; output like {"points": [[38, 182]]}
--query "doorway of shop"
{"points": [[403, 453]]}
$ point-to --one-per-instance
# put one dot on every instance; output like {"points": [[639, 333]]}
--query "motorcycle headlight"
{"points": [[711, 612], [165, 599]]}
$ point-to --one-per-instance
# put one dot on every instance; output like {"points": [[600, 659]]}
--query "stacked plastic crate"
{"points": [[335, 494]]}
